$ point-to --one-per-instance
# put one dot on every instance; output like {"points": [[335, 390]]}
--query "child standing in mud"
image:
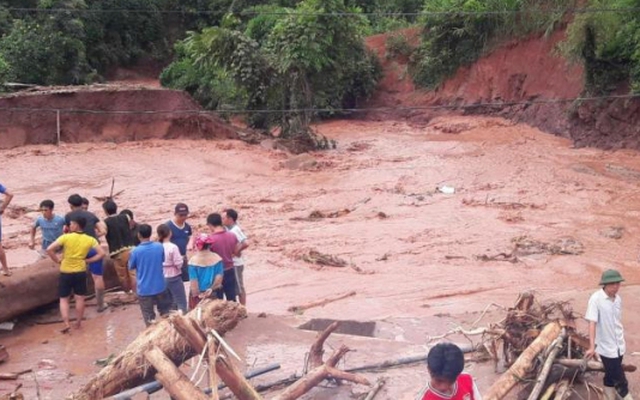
{"points": [[75, 246], [206, 271], [445, 363], [172, 269]]}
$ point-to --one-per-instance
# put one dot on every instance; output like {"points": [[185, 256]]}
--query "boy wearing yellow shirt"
{"points": [[73, 267]]}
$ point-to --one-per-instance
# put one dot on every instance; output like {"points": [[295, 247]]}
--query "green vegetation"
{"points": [[457, 32], [398, 45], [608, 45], [292, 62]]}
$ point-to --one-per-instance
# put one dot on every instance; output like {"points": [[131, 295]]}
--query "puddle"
{"points": [[348, 327]]}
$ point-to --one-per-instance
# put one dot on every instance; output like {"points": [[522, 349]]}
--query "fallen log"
{"points": [[36, 285], [317, 348], [320, 303], [523, 364], [130, 368], [172, 379], [556, 346], [591, 365]]}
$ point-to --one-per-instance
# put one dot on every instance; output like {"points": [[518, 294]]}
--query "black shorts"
{"points": [[76, 282]]}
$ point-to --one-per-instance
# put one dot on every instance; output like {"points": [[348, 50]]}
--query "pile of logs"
{"points": [[543, 350], [159, 351]]}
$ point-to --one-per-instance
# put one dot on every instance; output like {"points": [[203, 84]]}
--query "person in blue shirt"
{"points": [[50, 224], [147, 260], [3, 206], [181, 234]]}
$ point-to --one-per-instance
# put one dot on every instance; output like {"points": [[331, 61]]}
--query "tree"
{"points": [[309, 58]]}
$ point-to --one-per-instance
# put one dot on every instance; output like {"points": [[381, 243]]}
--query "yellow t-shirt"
{"points": [[76, 246]]}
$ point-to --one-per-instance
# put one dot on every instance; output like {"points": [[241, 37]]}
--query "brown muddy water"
{"points": [[420, 261]]}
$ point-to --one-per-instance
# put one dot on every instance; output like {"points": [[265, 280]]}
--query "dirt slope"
{"points": [[519, 71], [30, 118]]}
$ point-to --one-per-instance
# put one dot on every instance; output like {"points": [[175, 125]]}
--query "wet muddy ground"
{"points": [[528, 212]]}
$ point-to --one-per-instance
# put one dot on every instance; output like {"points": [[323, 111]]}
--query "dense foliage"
{"points": [[284, 64], [457, 32], [608, 45]]}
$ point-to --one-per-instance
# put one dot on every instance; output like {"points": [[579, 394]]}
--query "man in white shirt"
{"points": [[229, 220], [606, 335]]}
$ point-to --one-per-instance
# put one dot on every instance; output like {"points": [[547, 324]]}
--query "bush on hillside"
{"points": [[457, 32], [608, 45]]}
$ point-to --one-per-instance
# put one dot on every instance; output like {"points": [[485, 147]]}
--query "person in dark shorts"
{"points": [[73, 266], [120, 243], [224, 243], [230, 221], [181, 234], [51, 225], [94, 228], [147, 260]]}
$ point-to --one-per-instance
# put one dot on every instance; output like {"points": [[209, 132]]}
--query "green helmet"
{"points": [[610, 276]]}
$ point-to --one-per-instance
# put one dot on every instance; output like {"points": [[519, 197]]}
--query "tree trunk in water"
{"points": [[173, 381], [523, 364], [131, 369], [36, 285]]}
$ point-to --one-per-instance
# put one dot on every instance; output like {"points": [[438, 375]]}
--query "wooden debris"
{"points": [[525, 246], [4, 354], [326, 260], [130, 368], [376, 388], [172, 379], [591, 365], [523, 365], [317, 348], [318, 215], [319, 303], [317, 375], [556, 346]]}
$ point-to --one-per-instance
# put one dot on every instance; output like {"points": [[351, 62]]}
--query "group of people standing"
{"points": [[155, 271]]}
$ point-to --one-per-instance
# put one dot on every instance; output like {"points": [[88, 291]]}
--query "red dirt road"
{"points": [[417, 248]]}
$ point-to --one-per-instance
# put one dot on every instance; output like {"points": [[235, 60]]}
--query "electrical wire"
{"points": [[584, 10], [322, 110]]}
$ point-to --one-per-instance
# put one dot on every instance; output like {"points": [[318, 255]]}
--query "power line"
{"points": [[321, 110], [585, 10]]}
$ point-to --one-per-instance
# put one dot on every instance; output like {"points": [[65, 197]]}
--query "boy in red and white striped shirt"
{"points": [[445, 363]]}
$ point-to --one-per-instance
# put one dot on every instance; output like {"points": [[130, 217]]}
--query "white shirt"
{"points": [[607, 314], [235, 229]]}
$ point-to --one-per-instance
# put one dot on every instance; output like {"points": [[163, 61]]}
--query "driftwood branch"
{"points": [[317, 352], [319, 303], [376, 388], [591, 365]]}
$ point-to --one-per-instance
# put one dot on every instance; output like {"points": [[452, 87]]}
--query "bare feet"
{"points": [[77, 325], [6, 272], [66, 329]]}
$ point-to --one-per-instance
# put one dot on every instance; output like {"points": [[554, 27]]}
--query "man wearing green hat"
{"points": [[606, 336]]}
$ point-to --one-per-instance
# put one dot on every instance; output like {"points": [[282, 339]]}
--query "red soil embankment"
{"points": [[104, 113], [530, 73]]}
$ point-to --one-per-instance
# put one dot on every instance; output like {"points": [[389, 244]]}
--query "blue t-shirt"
{"points": [[51, 229], [3, 189], [206, 275], [180, 236], [147, 259]]}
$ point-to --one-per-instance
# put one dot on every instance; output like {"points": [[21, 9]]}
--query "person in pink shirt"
{"points": [[172, 265]]}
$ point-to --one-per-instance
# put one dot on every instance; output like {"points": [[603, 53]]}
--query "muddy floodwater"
{"points": [[433, 222]]}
